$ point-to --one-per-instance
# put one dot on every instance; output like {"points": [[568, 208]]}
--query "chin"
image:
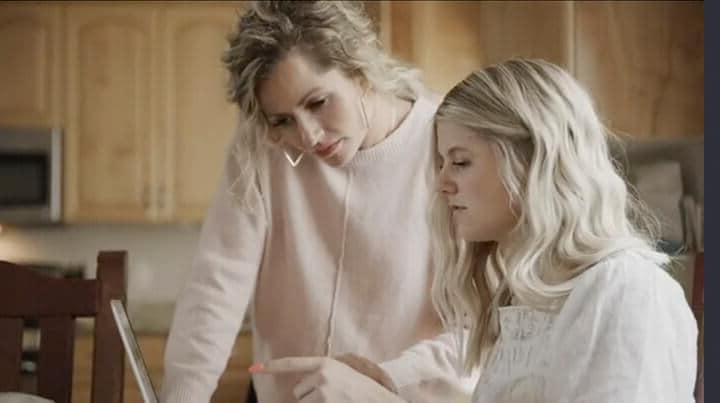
{"points": [[468, 235], [343, 158], [338, 160]]}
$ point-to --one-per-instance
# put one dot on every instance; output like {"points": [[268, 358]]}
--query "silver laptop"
{"points": [[133, 352]]}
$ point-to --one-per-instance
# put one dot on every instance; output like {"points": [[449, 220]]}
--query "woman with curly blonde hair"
{"points": [[319, 224]]}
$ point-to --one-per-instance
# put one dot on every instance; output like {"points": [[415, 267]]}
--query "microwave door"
{"points": [[30, 178]]}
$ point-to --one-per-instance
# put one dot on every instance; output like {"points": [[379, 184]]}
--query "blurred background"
{"points": [[137, 91]]}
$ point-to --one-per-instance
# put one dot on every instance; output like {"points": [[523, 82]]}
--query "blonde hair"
{"points": [[333, 34], [573, 206]]}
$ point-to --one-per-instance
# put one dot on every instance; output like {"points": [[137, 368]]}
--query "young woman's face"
{"points": [[311, 111], [469, 179]]}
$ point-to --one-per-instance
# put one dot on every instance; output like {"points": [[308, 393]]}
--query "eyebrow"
{"points": [[304, 98], [455, 149]]}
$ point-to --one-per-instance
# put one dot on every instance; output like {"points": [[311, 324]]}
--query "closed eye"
{"points": [[279, 122], [317, 104]]}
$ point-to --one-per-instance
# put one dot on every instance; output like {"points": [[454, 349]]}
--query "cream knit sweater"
{"points": [[338, 262]]}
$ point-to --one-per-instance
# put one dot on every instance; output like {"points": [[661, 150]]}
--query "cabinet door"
{"points": [[30, 67], [198, 119], [110, 112], [644, 63], [449, 39]]}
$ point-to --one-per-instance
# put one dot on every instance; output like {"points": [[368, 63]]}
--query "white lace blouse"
{"points": [[625, 334]]}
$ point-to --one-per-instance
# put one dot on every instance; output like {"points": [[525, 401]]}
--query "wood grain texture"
{"points": [[109, 112], [643, 62], [449, 39], [74, 297], [55, 364], [30, 72], [197, 120]]}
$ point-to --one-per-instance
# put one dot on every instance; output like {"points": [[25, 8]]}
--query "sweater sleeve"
{"points": [[429, 372], [210, 308], [626, 334]]}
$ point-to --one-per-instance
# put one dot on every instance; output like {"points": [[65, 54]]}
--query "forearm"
{"points": [[206, 322], [429, 370], [211, 307]]}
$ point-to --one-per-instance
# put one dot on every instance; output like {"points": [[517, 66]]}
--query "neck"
{"points": [[385, 113]]}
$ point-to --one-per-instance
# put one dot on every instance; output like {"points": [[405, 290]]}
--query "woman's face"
{"points": [[469, 180], [312, 111]]}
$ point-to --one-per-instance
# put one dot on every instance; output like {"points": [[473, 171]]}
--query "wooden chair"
{"points": [[55, 303]]}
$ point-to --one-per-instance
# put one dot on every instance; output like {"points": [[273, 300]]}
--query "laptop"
{"points": [[133, 352]]}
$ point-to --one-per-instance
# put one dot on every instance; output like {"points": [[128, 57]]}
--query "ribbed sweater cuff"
{"points": [[183, 392]]}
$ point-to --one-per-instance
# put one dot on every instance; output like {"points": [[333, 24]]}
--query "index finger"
{"points": [[289, 365]]}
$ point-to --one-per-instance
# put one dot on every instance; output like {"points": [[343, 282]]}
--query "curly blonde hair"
{"points": [[333, 34]]}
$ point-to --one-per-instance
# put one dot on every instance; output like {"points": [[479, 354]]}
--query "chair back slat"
{"points": [[112, 275], [60, 296], [55, 362], [11, 331]]}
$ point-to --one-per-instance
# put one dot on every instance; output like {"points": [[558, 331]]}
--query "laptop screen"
{"points": [[133, 351]]}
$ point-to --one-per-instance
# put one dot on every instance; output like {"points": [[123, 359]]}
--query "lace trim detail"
{"points": [[518, 357]]}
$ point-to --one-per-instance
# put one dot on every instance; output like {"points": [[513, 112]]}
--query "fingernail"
{"points": [[257, 367]]}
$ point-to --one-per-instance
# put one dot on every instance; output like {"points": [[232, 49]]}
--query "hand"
{"points": [[328, 380]]}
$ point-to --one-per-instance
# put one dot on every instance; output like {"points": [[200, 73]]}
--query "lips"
{"points": [[325, 150]]}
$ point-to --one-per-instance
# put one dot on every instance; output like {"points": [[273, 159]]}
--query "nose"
{"points": [[445, 186], [309, 132]]}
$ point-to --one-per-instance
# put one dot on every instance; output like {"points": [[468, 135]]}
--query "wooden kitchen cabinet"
{"points": [[147, 120], [449, 39], [30, 40], [197, 119], [110, 126], [139, 89], [643, 62]]}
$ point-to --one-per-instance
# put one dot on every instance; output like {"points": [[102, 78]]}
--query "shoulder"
{"points": [[626, 284], [423, 111], [625, 272], [431, 98]]}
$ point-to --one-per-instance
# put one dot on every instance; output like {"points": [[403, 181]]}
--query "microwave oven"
{"points": [[30, 176]]}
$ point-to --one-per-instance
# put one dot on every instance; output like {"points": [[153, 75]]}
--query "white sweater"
{"points": [[624, 335], [339, 262]]}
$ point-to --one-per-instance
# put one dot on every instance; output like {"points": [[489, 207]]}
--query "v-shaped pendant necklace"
{"points": [[296, 161]]}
